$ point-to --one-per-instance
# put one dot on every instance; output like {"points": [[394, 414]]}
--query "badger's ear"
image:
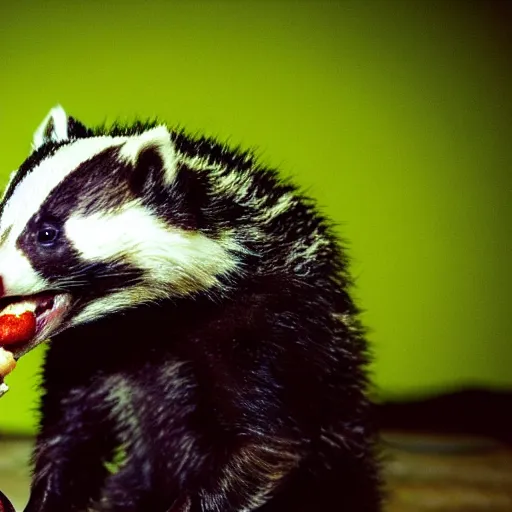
{"points": [[54, 128], [57, 126], [152, 154]]}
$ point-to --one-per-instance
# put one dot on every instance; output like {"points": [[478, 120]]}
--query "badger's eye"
{"points": [[47, 235]]}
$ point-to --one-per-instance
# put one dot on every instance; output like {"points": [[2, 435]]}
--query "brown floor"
{"points": [[445, 474], [423, 474]]}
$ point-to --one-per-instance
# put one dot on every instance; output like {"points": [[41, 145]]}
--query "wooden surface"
{"points": [[447, 474], [423, 473]]}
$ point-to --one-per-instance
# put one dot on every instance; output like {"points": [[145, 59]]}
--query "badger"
{"points": [[204, 351]]}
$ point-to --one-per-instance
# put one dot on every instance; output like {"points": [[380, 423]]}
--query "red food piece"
{"points": [[17, 328]]}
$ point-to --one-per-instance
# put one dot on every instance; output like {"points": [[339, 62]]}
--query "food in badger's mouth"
{"points": [[17, 323], [29, 319], [24, 323]]}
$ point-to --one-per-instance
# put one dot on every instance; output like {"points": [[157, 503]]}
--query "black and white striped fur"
{"points": [[211, 337]]}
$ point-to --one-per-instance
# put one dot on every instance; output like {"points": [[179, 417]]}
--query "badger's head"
{"points": [[94, 224]]}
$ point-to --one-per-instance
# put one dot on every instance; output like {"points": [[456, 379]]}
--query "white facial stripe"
{"points": [[59, 131], [160, 139], [187, 261], [37, 185], [11, 177], [18, 276]]}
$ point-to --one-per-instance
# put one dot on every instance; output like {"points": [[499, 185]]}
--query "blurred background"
{"points": [[395, 115]]}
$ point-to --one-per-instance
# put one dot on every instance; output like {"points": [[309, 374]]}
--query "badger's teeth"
{"points": [[18, 308]]}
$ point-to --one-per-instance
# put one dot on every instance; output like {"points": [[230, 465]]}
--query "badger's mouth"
{"points": [[49, 310]]}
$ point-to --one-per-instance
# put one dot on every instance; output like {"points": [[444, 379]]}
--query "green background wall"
{"points": [[395, 115]]}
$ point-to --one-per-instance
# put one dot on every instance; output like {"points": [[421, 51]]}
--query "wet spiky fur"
{"points": [[237, 391]]}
